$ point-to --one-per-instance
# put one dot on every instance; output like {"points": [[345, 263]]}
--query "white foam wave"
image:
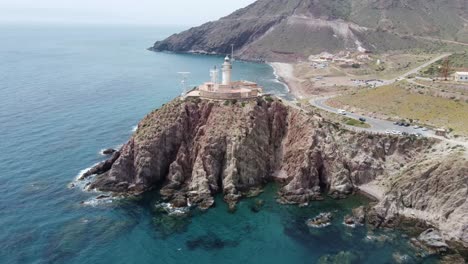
{"points": [[319, 226], [171, 210], [97, 202], [101, 152], [134, 128], [83, 171], [349, 225]]}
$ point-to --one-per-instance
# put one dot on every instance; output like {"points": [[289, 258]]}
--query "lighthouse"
{"points": [[227, 69], [227, 89]]}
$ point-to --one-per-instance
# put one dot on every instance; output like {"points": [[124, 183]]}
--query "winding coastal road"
{"points": [[377, 125]]}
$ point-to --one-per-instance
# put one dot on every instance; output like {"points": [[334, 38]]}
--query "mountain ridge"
{"points": [[280, 30]]}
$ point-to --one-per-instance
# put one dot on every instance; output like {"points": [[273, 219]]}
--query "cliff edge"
{"points": [[194, 149]]}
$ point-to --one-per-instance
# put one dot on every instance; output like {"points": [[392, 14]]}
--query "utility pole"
{"points": [[183, 82], [232, 52], [445, 70]]}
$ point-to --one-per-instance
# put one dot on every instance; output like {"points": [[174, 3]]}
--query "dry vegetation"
{"points": [[397, 102], [339, 78]]}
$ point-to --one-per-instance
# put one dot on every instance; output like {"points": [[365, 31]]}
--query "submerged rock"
{"points": [[402, 258], [257, 205], [343, 257], [210, 241]]}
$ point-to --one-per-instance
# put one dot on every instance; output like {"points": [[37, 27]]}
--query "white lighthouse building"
{"points": [[227, 71], [227, 89]]}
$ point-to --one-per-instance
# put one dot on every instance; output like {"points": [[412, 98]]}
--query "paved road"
{"points": [[413, 71], [377, 125], [417, 69]]}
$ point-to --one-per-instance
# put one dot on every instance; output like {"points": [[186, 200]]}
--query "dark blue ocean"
{"points": [[66, 92]]}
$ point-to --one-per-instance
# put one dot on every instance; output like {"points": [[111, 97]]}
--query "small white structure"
{"points": [[461, 76]]}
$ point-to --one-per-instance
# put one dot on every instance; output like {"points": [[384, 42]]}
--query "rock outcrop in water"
{"points": [[195, 149]]}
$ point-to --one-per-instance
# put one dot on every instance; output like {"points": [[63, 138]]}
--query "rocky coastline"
{"points": [[192, 149]]}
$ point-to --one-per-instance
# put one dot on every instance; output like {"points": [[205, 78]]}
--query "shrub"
{"points": [[269, 99]]}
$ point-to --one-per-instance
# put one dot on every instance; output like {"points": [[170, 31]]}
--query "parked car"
{"points": [[362, 119], [387, 132], [424, 129], [407, 124], [416, 127]]}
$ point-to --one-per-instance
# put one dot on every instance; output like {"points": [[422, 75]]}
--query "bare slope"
{"points": [[276, 30]]}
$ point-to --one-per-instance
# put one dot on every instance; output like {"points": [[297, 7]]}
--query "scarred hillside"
{"points": [[282, 30]]}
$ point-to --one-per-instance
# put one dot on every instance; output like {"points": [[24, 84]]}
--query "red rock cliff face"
{"points": [[193, 150]]}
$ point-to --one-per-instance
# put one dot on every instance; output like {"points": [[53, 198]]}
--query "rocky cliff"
{"points": [[192, 150], [433, 189], [285, 30]]}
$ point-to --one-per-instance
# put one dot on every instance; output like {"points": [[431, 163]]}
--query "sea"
{"points": [[69, 91]]}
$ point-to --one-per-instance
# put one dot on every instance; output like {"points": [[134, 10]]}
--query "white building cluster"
{"points": [[227, 89]]}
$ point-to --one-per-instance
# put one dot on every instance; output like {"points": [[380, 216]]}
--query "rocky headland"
{"points": [[291, 30], [190, 150]]}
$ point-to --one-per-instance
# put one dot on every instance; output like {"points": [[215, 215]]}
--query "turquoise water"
{"points": [[68, 92]]}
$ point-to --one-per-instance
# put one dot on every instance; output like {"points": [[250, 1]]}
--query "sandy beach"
{"points": [[285, 73], [373, 190]]}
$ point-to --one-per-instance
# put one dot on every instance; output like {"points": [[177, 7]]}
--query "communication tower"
{"points": [[183, 82]]}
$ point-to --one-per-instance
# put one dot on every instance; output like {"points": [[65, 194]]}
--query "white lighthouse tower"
{"points": [[227, 69]]}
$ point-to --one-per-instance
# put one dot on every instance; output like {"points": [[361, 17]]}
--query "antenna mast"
{"points": [[214, 75], [232, 52], [445, 69], [183, 82]]}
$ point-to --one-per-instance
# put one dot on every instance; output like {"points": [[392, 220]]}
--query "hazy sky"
{"points": [[172, 12]]}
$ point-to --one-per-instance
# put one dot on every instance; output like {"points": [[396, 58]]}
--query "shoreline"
{"points": [[284, 73], [278, 78]]}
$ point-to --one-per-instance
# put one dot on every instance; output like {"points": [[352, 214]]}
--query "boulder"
{"points": [[108, 151], [359, 214], [432, 238]]}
